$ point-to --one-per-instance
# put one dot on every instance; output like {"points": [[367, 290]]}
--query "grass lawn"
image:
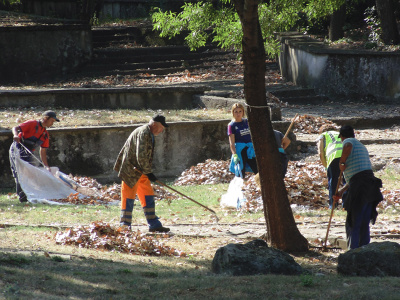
{"points": [[11, 117], [33, 266]]}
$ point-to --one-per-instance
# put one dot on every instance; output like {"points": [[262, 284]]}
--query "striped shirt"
{"points": [[358, 159]]}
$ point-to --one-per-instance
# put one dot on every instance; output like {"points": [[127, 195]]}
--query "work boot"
{"points": [[159, 229], [21, 195], [22, 198], [124, 227]]}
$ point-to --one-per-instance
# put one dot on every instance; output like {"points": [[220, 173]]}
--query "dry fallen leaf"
{"points": [[103, 236]]}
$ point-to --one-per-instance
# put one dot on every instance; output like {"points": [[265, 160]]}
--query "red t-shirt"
{"points": [[33, 130]]}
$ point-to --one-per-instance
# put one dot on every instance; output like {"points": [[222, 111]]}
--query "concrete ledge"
{"points": [[91, 151], [362, 123], [226, 103], [341, 73], [172, 97]]}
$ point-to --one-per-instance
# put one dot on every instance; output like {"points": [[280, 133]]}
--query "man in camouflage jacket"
{"points": [[133, 165]]}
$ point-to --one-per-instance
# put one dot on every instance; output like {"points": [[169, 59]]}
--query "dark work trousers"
{"points": [[333, 173], [357, 228], [251, 162], [284, 162], [26, 156]]}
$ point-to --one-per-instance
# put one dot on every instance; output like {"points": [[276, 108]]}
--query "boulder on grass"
{"points": [[375, 259], [253, 258]]}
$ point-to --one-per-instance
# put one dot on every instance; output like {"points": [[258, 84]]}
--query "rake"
{"points": [[333, 208]]}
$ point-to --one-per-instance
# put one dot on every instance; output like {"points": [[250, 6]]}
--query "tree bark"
{"points": [[390, 33], [282, 232], [336, 24], [87, 10]]}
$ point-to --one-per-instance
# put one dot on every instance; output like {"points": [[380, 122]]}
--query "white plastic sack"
{"points": [[39, 185], [234, 197]]}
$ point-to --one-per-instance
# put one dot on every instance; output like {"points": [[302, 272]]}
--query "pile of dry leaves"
{"points": [[305, 184], [209, 172], [102, 236], [391, 199], [91, 192], [97, 194], [311, 124]]}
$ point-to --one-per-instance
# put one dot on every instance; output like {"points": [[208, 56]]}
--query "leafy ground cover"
{"points": [[34, 266], [10, 117]]}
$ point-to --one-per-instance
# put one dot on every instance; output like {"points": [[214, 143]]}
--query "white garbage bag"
{"points": [[40, 185], [234, 196]]}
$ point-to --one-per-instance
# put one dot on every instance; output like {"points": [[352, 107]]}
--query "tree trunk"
{"points": [[390, 33], [282, 231], [87, 10], [336, 24]]}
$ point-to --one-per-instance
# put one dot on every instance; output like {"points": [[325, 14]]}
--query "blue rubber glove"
{"points": [[236, 159]]}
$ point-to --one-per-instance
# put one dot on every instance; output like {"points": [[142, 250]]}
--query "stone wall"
{"points": [[116, 9], [180, 97], [32, 53], [91, 151], [351, 74], [128, 9], [68, 9]]}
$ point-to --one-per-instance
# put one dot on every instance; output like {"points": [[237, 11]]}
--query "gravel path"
{"points": [[313, 231]]}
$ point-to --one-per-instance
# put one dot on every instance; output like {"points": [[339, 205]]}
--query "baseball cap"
{"points": [[51, 114], [161, 119]]}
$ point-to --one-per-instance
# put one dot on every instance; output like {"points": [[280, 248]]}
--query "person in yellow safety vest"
{"points": [[330, 150]]}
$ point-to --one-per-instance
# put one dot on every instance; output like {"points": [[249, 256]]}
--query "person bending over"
{"points": [[29, 136]]}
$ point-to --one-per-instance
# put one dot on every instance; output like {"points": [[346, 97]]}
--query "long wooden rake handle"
{"points": [[167, 186], [290, 126], [333, 208]]}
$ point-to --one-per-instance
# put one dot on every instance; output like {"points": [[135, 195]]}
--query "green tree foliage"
{"points": [[221, 22], [11, 2], [318, 8]]}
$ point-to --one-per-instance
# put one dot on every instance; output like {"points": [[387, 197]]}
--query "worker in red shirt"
{"points": [[31, 134]]}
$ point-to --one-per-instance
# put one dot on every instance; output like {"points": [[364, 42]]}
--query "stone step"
{"points": [[305, 100], [366, 139], [272, 65], [150, 57], [149, 65], [297, 95], [129, 60], [145, 36], [166, 97], [291, 92], [110, 32], [142, 51], [159, 72], [365, 123]]}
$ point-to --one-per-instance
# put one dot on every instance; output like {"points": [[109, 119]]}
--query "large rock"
{"points": [[375, 259], [253, 258]]}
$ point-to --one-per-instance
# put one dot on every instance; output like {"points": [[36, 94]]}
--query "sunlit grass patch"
{"points": [[10, 117]]}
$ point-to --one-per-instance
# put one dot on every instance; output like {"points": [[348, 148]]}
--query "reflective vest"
{"points": [[333, 146]]}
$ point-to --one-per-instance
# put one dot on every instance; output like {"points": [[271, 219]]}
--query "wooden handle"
{"points": [[290, 127], [172, 189], [333, 207]]}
